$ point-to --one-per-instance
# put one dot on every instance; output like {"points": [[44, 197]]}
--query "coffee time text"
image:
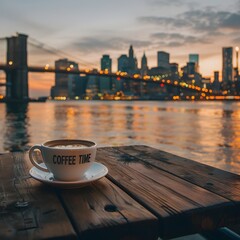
{"points": [[71, 160]]}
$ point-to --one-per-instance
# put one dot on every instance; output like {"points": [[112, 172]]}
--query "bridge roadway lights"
{"points": [[12, 68]]}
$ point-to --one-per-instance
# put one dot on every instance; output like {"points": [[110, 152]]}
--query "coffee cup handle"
{"points": [[31, 157]]}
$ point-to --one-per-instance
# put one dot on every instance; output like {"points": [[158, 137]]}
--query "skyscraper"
{"points": [[163, 59], [227, 64], [123, 63], [105, 83], [144, 66], [174, 71], [216, 83], [106, 63], [194, 58], [92, 88], [191, 68], [65, 82], [132, 61]]}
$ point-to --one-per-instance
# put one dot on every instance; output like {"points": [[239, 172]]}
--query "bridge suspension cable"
{"points": [[45, 47]]}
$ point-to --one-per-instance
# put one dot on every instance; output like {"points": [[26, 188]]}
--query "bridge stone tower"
{"points": [[17, 75]]}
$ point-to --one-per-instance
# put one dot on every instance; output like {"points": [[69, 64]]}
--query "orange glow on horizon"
{"points": [[40, 84]]}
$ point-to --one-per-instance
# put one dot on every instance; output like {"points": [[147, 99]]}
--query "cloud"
{"points": [[206, 20], [176, 4], [210, 20], [165, 21], [201, 26], [232, 21], [167, 2], [177, 39], [172, 44], [173, 3], [100, 43]]}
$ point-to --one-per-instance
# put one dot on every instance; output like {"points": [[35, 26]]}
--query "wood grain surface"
{"points": [[181, 205], [215, 180], [98, 211], [103, 211], [29, 210], [146, 193]]}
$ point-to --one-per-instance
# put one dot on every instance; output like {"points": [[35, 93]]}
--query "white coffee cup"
{"points": [[67, 159]]}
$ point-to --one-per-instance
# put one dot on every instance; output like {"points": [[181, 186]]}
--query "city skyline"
{"points": [[89, 29]]}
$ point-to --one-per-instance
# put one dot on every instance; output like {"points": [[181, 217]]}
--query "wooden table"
{"points": [[147, 193]]}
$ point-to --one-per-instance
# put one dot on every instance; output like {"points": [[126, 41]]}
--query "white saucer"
{"points": [[94, 173]]}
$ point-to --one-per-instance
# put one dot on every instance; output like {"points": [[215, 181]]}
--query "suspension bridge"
{"points": [[16, 69]]}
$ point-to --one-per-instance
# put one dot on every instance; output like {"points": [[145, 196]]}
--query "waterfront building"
{"points": [[106, 63], [123, 63], [174, 71], [128, 64], [216, 82], [105, 83], [132, 61], [157, 71], [144, 66], [190, 76], [191, 68], [163, 59], [194, 58], [227, 64], [65, 83], [92, 88], [216, 76], [123, 67], [153, 90], [81, 86], [132, 87]]}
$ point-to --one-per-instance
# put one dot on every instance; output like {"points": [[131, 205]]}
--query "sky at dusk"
{"points": [[84, 30]]}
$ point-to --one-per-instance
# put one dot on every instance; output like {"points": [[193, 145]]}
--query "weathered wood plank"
{"points": [[43, 217], [207, 177], [182, 207], [103, 211]]}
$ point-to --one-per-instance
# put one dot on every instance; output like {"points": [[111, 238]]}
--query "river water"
{"points": [[207, 132]]}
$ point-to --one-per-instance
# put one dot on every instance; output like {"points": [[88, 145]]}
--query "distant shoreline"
{"points": [[123, 100]]}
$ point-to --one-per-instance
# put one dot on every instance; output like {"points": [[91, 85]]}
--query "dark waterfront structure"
{"points": [[163, 59], [123, 63], [191, 68], [17, 79], [105, 83], [216, 82], [129, 65], [144, 65], [174, 71], [132, 61], [106, 63], [227, 68], [92, 87], [65, 83], [194, 58]]}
